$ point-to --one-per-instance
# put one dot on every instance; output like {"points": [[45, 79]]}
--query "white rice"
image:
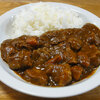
{"points": [[37, 19]]}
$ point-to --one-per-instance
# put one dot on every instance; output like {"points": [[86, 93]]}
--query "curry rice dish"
{"points": [[56, 58]]}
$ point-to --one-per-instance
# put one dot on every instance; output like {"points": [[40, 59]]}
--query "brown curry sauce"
{"points": [[56, 58]]}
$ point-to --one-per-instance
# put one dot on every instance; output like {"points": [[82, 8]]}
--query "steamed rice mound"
{"points": [[43, 17]]}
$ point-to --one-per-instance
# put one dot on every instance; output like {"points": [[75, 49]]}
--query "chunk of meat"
{"points": [[19, 44], [89, 50], [41, 56], [69, 56], [61, 74], [97, 39], [75, 43], [91, 38], [95, 60], [76, 72], [32, 40], [55, 59], [83, 59], [91, 28], [38, 77], [93, 54], [58, 49], [7, 50], [52, 37], [94, 33], [20, 60]]}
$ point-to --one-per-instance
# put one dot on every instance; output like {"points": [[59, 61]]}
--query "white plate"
{"points": [[9, 78]]}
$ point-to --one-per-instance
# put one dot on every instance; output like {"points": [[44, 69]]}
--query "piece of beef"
{"points": [[69, 56], [7, 50], [52, 37], [61, 74], [76, 72], [83, 59], [20, 60], [25, 42], [92, 53], [75, 43], [37, 76], [93, 38], [55, 59], [40, 56], [32, 40]]}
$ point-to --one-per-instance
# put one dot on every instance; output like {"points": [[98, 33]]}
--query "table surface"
{"points": [[7, 93]]}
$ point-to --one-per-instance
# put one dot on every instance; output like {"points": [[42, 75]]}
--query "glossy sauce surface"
{"points": [[56, 58]]}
